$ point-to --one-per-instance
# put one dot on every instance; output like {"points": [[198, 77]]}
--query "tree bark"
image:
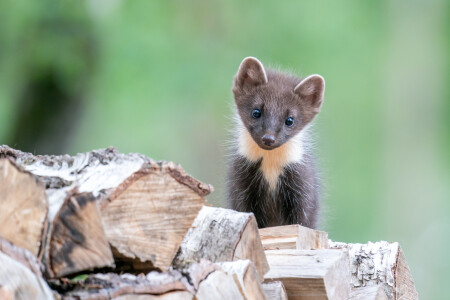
{"points": [[142, 208], [221, 235], [380, 263]]}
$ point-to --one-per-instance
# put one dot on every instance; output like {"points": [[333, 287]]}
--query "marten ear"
{"points": [[251, 73], [311, 89]]}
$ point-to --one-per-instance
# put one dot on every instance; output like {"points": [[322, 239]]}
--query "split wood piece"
{"points": [[112, 285], [310, 274], [219, 286], [22, 256], [20, 283], [220, 235], [376, 292], [246, 277], [76, 241], [380, 262], [274, 290], [169, 296], [293, 237], [170, 284], [23, 207], [146, 206]]}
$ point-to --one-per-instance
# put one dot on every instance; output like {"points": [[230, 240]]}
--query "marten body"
{"points": [[272, 172]]}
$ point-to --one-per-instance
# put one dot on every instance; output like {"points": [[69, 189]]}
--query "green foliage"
{"points": [[155, 77]]}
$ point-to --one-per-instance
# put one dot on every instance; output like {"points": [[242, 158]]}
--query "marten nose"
{"points": [[268, 139]]}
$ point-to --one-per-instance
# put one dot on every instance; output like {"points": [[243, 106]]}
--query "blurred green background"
{"points": [[155, 77]]}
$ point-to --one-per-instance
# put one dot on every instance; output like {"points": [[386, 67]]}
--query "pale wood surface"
{"points": [[219, 286], [22, 256], [21, 282], [293, 237], [168, 296], [23, 207], [375, 292], [148, 220], [310, 274], [380, 263], [246, 277], [220, 235], [274, 290], [146, 207]]}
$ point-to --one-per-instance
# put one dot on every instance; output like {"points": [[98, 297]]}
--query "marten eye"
{"points": [[256, 113], [289, 122]]}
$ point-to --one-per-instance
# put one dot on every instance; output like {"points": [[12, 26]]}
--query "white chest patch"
{"points": [[273, 161]]}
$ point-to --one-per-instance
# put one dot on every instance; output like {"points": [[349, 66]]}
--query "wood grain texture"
{"points": [[293, 237], [146, 207], [219, 286], [274, 290], [404, 282], [149, 218], [22, 256], [77, 240], [310, 274], [220, 235], [17, 280], [23, 207], [246, 277]]}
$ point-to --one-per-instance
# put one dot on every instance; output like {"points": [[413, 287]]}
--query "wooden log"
{"points": [[76, 241], [375, 292], [219, 286], [274, 290], [23, 207], [221, 235], [293, 237], [171, 284], [246, 277], [145, 207], [380, 262], [17, 281], [310, 274]]}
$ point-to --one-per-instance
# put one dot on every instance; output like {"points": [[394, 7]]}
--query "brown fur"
{"points": [[278, 96]]}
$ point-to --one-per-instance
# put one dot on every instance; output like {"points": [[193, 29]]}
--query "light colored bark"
{"points": [[221, 235], [274, 290], [246, 277], [310, 274], [20, 282], [23, 207], [375, 292], [146, 207], [378, 263], [293, 237]]}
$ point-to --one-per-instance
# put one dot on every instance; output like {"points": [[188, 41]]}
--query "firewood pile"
{"points": [[106, 225]]}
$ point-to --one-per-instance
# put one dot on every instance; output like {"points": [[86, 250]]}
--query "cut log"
{"points": [[145, 207], [77, 240], [171, 284], [274, 290], [23, 207], [375, 292], [17, 281], [380, 262], [221, 235], [293, 237], [310, 274], [22, 256], [219, 286], [246, 277]]}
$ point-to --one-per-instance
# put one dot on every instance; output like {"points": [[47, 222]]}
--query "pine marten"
{"points": [[272, 170]]}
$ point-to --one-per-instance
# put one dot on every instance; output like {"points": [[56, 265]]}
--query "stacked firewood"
{"points": [[106, 225]]}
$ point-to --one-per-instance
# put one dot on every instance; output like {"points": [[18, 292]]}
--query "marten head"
{"points": [[275, 106]]}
